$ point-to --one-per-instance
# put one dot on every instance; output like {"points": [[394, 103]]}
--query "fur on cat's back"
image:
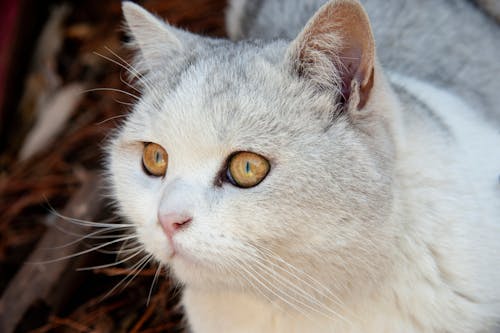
{"points": [[450, 43], [380, 211]]}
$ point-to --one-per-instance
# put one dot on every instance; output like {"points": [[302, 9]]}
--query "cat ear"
{"points": [[336, 50], [159, 44]]}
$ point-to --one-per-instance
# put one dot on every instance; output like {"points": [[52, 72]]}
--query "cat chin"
{"points": [[190, 269], [202, 274]]}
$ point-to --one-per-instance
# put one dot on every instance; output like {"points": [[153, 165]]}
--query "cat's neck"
{"points": [[394, 307]]}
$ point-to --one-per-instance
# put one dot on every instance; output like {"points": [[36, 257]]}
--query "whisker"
{"points": [[84, 251], [314, 285], [237, 264], [298, 309], [124, 245], [135, 73], [128, 69], [157, 274], [111, 264], [299, 271], [131, 69], [139, 270], [177, 286], [54, 212], [125, 65], [286, 283], [123, 103], [294, 300], [113, 90], [92, 235], [129, 85], [111, 118], [92, 223], [67, 232], [121, 251], [132, 270]]}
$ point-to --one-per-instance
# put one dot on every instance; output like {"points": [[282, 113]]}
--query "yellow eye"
{"points": [[247, 169], [155, 159]]}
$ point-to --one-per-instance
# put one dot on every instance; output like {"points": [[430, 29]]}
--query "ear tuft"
{"points": [[336, 50]]}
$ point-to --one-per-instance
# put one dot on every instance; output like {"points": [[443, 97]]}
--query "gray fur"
{"points": [[418, 110], [449, 42]]}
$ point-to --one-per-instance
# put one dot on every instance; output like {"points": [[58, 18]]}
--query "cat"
{"points": [[297, 178]]}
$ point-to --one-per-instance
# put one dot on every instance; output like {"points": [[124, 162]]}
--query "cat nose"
{"points": [[173, 222]]}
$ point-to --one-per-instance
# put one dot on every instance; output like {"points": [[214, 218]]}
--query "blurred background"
{"points": [[63, 88]]}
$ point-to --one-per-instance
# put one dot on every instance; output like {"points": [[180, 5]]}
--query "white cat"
{"points": [[294, 186]]}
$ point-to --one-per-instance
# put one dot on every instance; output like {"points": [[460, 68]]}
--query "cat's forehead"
{"points": [[237, 93]]}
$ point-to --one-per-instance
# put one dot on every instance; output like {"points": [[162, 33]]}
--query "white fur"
{"points": [[448, 256], [377, 220]]}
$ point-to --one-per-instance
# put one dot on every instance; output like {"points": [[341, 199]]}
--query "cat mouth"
{"points": [[176, 250], [180, 253]]}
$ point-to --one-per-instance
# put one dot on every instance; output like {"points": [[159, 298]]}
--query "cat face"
{"points": [[321, 206]]}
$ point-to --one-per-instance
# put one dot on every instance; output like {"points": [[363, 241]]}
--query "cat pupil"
{"points": [[247, 167], [158, 157]]}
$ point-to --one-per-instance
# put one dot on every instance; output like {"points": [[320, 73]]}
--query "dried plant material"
{"points": [[68, 58], [56, 113], [41, 276], [80, 31], [125, 271], [50, 41], [43, 80]]}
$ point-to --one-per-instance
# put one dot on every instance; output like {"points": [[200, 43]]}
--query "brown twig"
{"points": [[145, 316], [70, 323], [124, 271], [160, 328]]}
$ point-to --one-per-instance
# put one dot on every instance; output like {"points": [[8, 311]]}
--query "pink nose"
{"points": [[173, 222]]}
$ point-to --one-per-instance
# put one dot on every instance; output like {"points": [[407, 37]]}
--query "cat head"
{"points": [[309, 119]]}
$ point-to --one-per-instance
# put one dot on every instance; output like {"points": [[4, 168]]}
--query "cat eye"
{"points": [[154, 159], [246, 169]]}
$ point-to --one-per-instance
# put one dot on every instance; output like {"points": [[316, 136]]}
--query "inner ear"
{"points": [[336, 50]]}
